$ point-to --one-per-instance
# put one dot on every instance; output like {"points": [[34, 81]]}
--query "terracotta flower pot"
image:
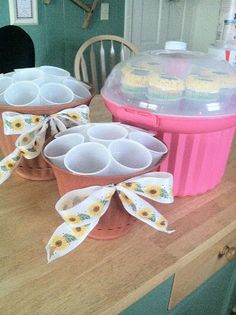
{"points": [[37, 168], [116, 221]]}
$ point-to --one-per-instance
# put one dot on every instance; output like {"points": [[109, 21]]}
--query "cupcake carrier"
{"points": [[188, 99]]}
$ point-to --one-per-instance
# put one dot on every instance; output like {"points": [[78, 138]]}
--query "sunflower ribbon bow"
{"points": [[32, 130], [81, 209]]}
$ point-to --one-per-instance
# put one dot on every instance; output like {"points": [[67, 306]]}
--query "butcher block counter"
{"points": [[106, 277]]}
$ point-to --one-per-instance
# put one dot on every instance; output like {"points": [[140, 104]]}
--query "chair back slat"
{"points": [[93, 66], [101, 59], [84, 71], [112, 56], [103, 63], [122, 52]]}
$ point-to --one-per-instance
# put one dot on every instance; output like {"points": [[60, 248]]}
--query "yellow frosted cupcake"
{"points": [[225, 80], [201, 87], [151, 65], [165, 87], [134, 82]]}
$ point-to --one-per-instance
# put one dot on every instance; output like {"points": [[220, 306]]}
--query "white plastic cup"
{"points": [[89, 158], [80, 82], [27, 68], [54, 74], [106, 133], [9, 74], [24, 93], [56, 150], [49, 79], [5, 82], [79, 90], [156, 147], [29, 74], [82, 129], [55, 93], [128, 157]]}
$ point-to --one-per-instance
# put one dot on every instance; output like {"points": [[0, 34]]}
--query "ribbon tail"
{"points": [[65, 239], [142, 210], [157, 186], [8, 164], [31, 143], [28, 144], [81, 210]]}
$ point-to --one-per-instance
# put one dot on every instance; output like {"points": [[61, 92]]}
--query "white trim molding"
{"points": [[23, 12], [128, 19]]}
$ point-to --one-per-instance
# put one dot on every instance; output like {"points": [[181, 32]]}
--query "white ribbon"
{"points": [[32, 130], [81, 209]]}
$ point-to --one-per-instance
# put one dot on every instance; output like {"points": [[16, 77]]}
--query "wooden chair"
{"points": [[98, 55]]}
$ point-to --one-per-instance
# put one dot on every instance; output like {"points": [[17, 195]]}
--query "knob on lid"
{"points": [[174, 45]]}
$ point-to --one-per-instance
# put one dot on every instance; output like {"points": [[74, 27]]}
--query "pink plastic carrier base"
{"points": [[198, 146]]}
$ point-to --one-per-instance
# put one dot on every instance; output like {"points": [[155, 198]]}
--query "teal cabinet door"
{"points": [[215, 297], [154, 303]]}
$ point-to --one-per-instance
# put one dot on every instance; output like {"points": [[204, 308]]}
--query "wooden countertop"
{"points": [[99, 277]]}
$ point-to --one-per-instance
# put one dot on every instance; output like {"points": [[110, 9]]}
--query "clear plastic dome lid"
{"points": [[174, 82]]}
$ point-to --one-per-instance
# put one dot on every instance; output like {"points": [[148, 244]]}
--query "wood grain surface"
{"points": [[99, 277]]}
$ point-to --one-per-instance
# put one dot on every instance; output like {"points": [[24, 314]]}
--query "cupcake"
{"points": [[151, 65], [225, 80], [165, 87], [134, 82], [201, 87]]}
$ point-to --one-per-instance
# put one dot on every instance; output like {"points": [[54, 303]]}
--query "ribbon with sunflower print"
{"points": [[81, 209], [32, 130]]}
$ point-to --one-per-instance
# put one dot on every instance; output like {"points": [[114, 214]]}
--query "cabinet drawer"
{"points": [[204, 264]]}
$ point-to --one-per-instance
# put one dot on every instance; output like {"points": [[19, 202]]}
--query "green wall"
{"points": [[59, 33]]}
